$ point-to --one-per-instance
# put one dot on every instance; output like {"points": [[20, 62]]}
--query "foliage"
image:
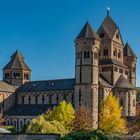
{"points": [[82, 119], [41, 126], [10, 128], [64, 113], [110, 120], [85, 135], [24, 128]]}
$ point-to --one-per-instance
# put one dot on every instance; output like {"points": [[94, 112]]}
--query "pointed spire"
{"points": [[17, 62], [87, 32]]}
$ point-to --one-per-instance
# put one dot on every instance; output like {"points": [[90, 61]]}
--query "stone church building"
{"points": [[103, 63]]}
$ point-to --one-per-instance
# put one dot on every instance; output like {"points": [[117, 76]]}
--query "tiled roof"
{"points": [[4, 87], [87, 32], [28, 110], [49, 85], [104, 82], [128, 51], [122, 82], [17, 62], [112, 61]]}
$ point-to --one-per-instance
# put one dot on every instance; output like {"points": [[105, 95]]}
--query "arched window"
{"points": [[43, 99], [105, 53], [29, 99], [121, 102], [86, 54], [50, 99], [119, 54], [26, 76]]}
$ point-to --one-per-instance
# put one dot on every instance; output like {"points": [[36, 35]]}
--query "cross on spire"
{"points": [[108, 10]]}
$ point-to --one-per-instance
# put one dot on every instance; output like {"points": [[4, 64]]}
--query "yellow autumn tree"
{"points": [[110, 119], [63, 113], [40, 126]]}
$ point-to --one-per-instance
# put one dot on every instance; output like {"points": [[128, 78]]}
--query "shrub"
{"points": [[10, 128]]}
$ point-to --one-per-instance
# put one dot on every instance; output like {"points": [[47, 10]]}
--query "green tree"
{"points": [[63, 113], [110, 120]]}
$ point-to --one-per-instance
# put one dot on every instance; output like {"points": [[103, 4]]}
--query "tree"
{"points": [[41, 126], [82, 119], [110, 120], [63, 113]]}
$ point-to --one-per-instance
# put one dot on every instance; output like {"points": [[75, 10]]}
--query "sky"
{"points": [[44, 31]]}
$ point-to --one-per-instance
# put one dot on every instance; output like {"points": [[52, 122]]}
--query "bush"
{"points": [[83, 135], [10, 128]]}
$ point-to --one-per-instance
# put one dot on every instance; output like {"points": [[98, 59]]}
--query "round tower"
{"points": [[86, 69]]}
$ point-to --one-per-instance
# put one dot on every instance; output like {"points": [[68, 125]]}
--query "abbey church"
{"points": [[103, 63]]}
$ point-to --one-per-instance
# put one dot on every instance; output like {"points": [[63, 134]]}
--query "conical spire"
{"points": [[128, 51], [87, 32], [17, 62]]}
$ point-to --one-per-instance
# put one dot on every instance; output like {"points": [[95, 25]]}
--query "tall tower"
{"points": [[130, 60], [16, 72], [87, 76]]}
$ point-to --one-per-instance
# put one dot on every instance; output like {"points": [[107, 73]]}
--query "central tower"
{"points": [[87, 71]]}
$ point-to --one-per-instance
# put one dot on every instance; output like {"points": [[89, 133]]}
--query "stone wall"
{"points": [[28, 137]]}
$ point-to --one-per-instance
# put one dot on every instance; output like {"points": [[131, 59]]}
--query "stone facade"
{"points": [[102, 64]]}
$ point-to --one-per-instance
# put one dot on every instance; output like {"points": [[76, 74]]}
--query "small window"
{"points": [[102, 35], [116, 69], [43, 99], [16, 75], [115, 52], [105, 69], [119, 54], [86, 54], [7, 75], [121, 71], [95, 55], [121, 102], [106, 52], [26, 76], [134, 69], [126, 72]]}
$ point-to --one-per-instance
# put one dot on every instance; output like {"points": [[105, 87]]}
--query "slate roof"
{"points": [[128, 51], [103, 81], [87, 32], [17, 62], [122, 82], [110, 27], [28, 110], [49, 85], [112, 61], [4, 87]]}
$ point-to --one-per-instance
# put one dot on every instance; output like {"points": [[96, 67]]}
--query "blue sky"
{"points": [[44, 31]]}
